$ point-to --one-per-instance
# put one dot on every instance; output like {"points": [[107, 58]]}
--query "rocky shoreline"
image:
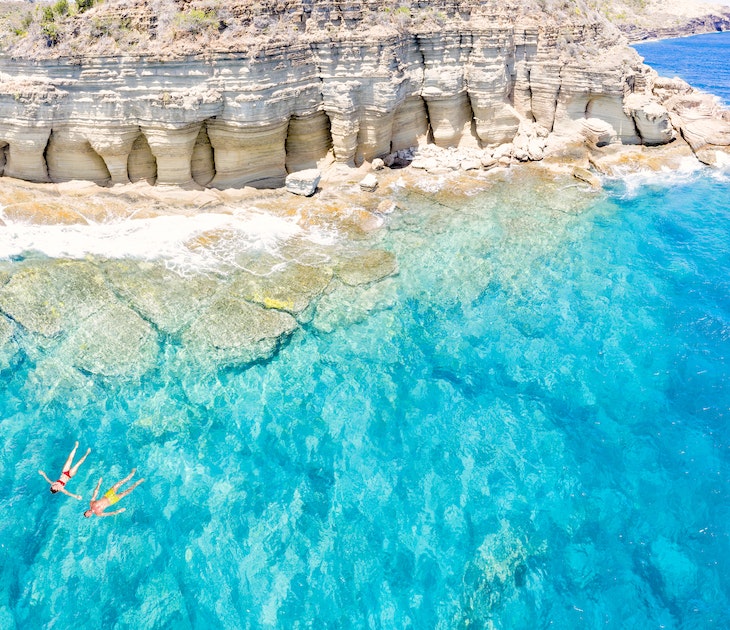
{"points": [[111, 316]]}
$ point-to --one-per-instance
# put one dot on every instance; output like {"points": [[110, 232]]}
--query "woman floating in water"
{"points": [[66, 474], [111, 497]]}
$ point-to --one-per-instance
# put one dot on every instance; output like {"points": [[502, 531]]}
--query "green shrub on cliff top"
{"points": [[195, 21], [61, 7], [84, 5], [51, 33]]}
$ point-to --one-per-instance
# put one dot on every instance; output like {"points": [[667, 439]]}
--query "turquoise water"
{"points": [[525, 427], [701, 60]]}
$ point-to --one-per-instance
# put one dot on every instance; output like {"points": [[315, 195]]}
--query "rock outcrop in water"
{"points": [[349, 83]]}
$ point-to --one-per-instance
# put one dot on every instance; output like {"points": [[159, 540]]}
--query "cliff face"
{"points": [[485, 77]]}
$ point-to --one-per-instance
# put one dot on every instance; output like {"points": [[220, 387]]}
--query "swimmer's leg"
{"points": [[78, 463], [70, 459], [128, 490], [119, 484]]}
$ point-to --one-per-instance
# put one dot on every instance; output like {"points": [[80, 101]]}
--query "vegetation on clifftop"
{"points": [[84, 28]]}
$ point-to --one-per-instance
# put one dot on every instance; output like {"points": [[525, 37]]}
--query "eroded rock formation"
{"points": [[486, 76]]}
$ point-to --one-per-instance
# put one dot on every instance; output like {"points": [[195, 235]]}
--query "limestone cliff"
{"points": [[355, 80]]}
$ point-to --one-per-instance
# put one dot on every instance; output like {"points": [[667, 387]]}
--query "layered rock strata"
{"points": [[699, 118], [484, 78]]}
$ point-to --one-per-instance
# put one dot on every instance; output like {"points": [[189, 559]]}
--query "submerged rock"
{"points": [[165, 298], [235, 331], [348, 305], [49, 298], [6, 331], [386, 206], [367, 267], [114, 341], [54, 378], [289, 289], [8, 348], [70, 301], [584, 175]]}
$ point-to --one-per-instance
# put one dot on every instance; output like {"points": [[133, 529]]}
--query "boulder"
{"points": [[652, 119], [471, 165], [488, 162], [599, 132], [702, 132], [714, 156], [530, 141], [503, 151], [369, 183], [303, 182]]}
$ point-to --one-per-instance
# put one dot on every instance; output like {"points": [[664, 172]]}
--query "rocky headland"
{"points": [[641, 20]]}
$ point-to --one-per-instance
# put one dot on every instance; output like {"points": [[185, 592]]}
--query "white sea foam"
{"points": [[177, 239], [634, 181], [722, 162]]}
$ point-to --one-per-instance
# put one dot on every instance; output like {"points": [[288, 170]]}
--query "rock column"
{"points": [[173, 150], [25, 151], [248, 156]]}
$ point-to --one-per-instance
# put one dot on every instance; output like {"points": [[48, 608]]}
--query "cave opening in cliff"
{"points": [[142, 164]]}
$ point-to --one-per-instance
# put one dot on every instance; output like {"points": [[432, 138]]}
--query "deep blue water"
{"points": [[701, 60], [526, 427]]}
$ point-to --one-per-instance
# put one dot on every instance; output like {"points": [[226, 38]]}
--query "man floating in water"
{"points": [[66, 474], [111, 497]]}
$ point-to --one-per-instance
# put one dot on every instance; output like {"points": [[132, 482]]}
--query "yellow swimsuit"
{"points": [[112, 496]]}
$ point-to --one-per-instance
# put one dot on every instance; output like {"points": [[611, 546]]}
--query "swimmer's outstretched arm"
{"points": [[96, 490], [113, 513], [70, 494], [45, 476]]}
